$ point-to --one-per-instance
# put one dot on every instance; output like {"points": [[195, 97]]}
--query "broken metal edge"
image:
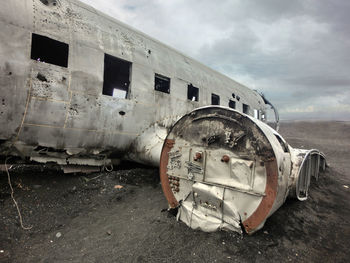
{"points": [[266, 206], [307, 166], [288, 171]]}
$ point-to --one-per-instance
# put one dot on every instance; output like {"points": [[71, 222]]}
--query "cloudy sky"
{"points": [[295, 52]]}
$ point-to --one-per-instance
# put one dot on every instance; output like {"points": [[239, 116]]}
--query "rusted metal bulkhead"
{"points": [[223, 169]]}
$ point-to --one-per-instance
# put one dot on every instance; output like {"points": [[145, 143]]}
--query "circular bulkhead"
{"points": [[219, 168]]}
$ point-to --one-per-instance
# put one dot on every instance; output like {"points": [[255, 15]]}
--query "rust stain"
{"points": [[197, 156], [164, 158], [261, 213], [225, 158]]}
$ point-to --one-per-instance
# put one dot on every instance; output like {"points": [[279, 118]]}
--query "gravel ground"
{"points": [[119, 217]]}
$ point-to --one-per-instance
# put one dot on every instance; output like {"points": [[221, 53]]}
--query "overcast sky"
{"points": [[295, 52]]}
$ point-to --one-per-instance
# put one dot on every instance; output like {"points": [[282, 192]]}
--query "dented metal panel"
{"points": [[207, 209], [225, 170]]}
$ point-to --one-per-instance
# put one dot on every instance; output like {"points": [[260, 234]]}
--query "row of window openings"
{"points": [[215, 100], [116, 71], [162, 84]]}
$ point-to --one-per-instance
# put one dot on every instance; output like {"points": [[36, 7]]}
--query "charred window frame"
{"points": [[232, 104], [161, 83], [245, 108], [215, 99], [192, 93], [48, 50], [116, 77]]}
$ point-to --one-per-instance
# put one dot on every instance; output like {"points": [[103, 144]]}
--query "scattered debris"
{"points": [[19, 185], [80, 169], [118, 186], [90, 179], [12, 196], [109, 232], [58, 235], [346, 186]]}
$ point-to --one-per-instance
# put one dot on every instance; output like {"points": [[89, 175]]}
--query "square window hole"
{"points": [[192, 93], [245, 108], [232, 104], [116, 78], [48, 50], [215, 99], [162, 83]]}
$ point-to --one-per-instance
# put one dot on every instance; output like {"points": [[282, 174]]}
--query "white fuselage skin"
{"points": [[62, 111]]}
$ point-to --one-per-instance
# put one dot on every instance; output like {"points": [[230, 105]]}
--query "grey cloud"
{"points": [[295, 52], [335, 13], [319, 82]]}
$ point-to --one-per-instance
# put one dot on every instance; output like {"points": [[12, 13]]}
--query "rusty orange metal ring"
{"points": [[261, 213], [164, 158]]}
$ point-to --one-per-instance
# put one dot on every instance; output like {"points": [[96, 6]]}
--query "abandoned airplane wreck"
{"points": [[79, 88]]}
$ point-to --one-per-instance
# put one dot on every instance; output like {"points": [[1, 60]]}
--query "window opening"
{"points": [[245, 108], [192, 93], [48, 50], [256, 114], [232, 104], [116, 78], [215, 99], [162, 83]]}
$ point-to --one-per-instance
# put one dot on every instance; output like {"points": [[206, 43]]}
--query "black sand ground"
{"points": [[80, 219]]}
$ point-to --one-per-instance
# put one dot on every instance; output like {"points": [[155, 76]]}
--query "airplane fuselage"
{"points": [[80, 87]]}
